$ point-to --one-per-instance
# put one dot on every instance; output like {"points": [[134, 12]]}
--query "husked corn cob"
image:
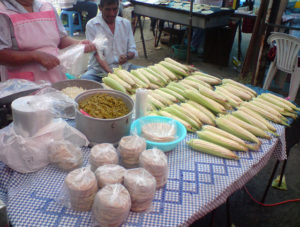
{"points": [[183, 116], [236, 130], [188, 114], [200, 115], [139, 75], [161, 78], [221, 140], [238, 92], [211, 148], [166, 95], [207, 75], [153, 86], [267, 108], [275, 101], [229, 136], [201, 82], [177, 90], [174, 93], [123, 75], [162, 99], [158, 104], [230, 100], [251, 128], [172, 61], [160, 73], [258, 117], [264, 113], [230, 81], [227, 93], [212, 95], [294, 107], [207, 102], [113, 84], [166, 71], [120, 81], [209, 80], [174, 68], [187, 86], [186, 124], [153, 79], [203, 109]]}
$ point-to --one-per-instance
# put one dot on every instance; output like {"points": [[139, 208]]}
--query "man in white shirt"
{"points": [[120, 46]]}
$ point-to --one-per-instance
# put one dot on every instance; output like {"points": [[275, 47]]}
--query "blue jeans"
{"points": [[95, 75]]}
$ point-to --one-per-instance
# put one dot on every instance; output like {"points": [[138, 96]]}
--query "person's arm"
{"points": [[103, 64], [68, 41], [15, 58]]}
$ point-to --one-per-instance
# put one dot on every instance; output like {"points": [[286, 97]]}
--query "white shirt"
{"points": [[119, 43]]}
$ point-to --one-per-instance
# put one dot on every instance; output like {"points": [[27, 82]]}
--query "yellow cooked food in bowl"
{"points": [[103, 106]]}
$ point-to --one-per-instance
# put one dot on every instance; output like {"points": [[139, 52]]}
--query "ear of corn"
{"points": [[197, 81], [230, 81], [186, 124], [122, 74], [182, 115], [236, 130], [208, 80], [139, 75], [188, 113], [174, 93], [212, 95], [166, 95], [120, 81], [153, 79], [264, 113], [172, 61], [221, 140], [243, 90], [177, 90], [258, 117], [162, 99], [200, 115], [174, 68], [251, 128], [187, 86], [158, 104], [161, 78], [211, 148], [227, 93], [231, 101], [238, 92], [166, 71], [203, 109], [267, 108], [160, 73], [276, 101], [207, 102], [113, 84], [283, 100], [202, 74]]}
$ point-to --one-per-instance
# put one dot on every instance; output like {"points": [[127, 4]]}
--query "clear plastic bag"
{"points": [[30, 154], [101, 154], [155, 162], [109, 174], [101, 45], [141, 186], [71, 59], [111, 206], [129, 149], [65, 155], [15, 86]]}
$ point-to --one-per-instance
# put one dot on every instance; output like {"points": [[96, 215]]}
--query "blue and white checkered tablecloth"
{"points": [[197, 184]]}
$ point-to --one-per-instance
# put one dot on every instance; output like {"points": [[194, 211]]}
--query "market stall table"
{"points": [[216, 17], [197, 184]]}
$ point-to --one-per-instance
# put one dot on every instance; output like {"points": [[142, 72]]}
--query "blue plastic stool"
{"points": [[70, 26]]}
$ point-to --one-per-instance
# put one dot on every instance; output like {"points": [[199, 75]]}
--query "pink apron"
{"points": [[35, 31]]}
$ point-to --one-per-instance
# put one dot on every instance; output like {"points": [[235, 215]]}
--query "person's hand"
{"points": [[122, 59], [88, 46], [49, 61]]}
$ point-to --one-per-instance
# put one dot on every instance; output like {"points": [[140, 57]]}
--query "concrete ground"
{"points": [[244, 212]]}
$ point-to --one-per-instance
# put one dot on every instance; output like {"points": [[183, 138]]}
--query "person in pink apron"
{"points": [[30, 36]]}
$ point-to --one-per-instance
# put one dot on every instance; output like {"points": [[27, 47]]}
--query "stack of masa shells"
{"points": [[109, 174], [155, 162], [141, 186], [82, 187], [101, 154], [112, 205], [130, 148]]}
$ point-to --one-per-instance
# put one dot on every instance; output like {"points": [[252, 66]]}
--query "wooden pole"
{"points": [[282, 7], [188, 56], [250, 55]]}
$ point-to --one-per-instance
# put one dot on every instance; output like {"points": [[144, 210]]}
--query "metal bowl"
{"points": [[104, 130], [85, 84]]}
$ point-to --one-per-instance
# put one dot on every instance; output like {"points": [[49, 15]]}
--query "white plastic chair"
{"points": [[286, 60]]}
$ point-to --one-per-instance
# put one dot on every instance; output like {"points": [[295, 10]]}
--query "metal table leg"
{"points": [[142, 35]]}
